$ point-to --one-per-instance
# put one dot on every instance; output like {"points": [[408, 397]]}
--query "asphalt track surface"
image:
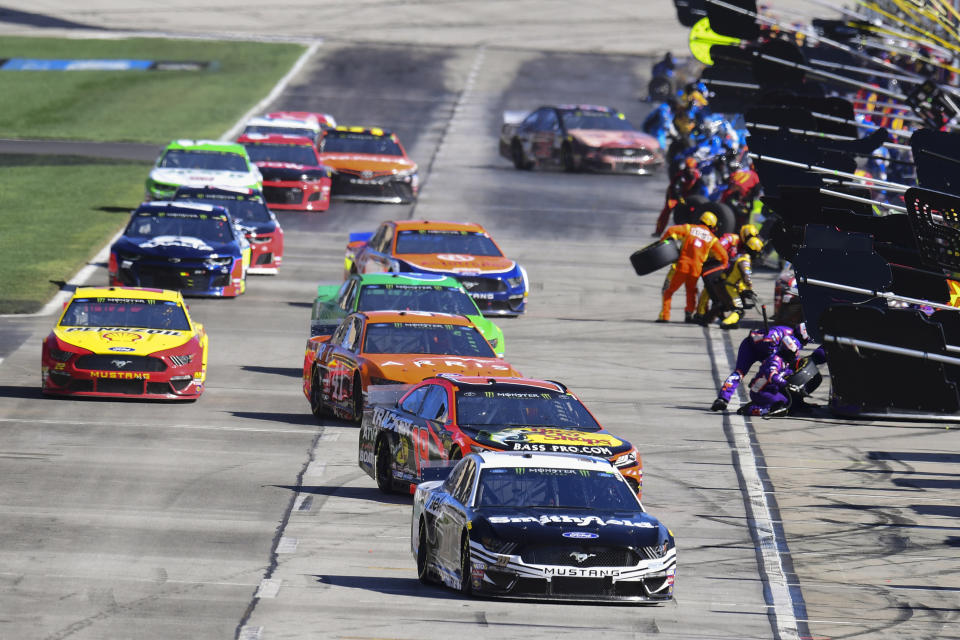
{"points": [[239, 516]]}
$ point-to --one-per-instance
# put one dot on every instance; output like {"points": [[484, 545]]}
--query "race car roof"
{"points": [[586, 107], [374, 131], [409, 279], [499, 459], [488, 382], [283, 122], [320, 117], [128, 292], [438, 225], [181, 207], [207, 145], [275, 138], [415, 317]]}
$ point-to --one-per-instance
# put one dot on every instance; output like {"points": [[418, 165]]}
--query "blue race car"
{"points": [[191, 247], [249, 210]]}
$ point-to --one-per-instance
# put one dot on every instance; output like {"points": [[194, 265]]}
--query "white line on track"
{"points": [[780, 597], [159, 425]]}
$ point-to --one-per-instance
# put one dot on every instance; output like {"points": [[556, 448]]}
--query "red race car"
{"points": [[325, 120], [293, 175]]}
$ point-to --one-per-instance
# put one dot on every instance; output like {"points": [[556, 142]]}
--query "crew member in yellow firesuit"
{"points": [[738, 294]]}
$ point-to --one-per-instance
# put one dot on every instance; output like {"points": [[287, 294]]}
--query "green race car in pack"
{"points": [[398, 292], [201, 163]]}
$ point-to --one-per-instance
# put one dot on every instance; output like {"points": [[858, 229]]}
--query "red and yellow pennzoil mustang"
{"points": [[123, 342], [391, 347]]}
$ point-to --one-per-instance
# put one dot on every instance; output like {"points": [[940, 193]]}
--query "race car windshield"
{"points": [[595, 120], [355, 142], [206, 160], [123, 312], [432, 339], [471, 243], [383, 297], [524, 407], [552, 488], [292, 153], [242, 210], [290, 131], [214, 228]]}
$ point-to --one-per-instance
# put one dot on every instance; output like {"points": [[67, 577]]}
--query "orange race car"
{"points": [[391, 347], [463, 250], [370, 165]]}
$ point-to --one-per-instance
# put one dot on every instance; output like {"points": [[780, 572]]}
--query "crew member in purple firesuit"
{"points": [[768, 389], [757, 347]]}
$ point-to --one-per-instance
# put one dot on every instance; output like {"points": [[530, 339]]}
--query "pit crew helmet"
{"points": [[754, 245], [748, 231], [788, 349], [709, 219]]}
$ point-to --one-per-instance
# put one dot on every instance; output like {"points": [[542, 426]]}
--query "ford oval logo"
{"points": [[582, 535]]}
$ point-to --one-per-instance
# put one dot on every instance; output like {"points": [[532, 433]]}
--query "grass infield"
{"points": [[56, 212]]}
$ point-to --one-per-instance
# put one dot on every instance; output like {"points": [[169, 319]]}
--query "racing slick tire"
{"points": [[317, 407], [466, 566], [357, 397], [423, 557], [566, 158], [659, 89], [685, 211], [519, 160], [654, 256], [725, 216], [382, 465], [807, 378]]}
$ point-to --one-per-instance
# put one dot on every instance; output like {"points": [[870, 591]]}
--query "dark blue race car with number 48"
{"points": [[544, 526]]}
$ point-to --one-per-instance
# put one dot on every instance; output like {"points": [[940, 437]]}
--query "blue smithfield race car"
{"points": [[191, 247]]}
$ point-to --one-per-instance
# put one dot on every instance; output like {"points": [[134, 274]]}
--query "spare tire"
{"points": [[726, 220], [655, 256], [686, 212], [807, 378], [659, 89]]}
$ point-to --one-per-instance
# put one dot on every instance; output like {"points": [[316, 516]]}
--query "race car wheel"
{"points": [[654, 256], [317, 408], [466, 567], [357, 399], [567, 160], [423, 557], [725, 216], [519, 160], [659, 89], [383, 466]]}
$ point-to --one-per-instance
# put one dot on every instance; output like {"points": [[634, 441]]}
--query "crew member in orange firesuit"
{"points": [[698, 243]]}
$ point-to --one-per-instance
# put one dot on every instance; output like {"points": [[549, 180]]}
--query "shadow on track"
{"points": [[371, 494]]}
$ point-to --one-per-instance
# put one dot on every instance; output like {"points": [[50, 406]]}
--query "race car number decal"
{"points": [[455, 257]]}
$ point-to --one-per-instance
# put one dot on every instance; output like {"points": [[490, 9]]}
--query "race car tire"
{"points": [[684, 212], [423, 557], [466, 566], [317, 407], [382, 463], [654, 256], [567, 160], [357, 397], [725, 216], [806, 379], [659, 89], [519, 160]]}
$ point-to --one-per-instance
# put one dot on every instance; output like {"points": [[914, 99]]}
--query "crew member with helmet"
{"points": [[768, 389], [738, 283], [698, 242], [756, 347], [713, 271], [684, 182]]}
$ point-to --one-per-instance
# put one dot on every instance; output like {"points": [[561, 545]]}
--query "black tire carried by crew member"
{"points": [[655, 256], [807, 378], [726, 219]]}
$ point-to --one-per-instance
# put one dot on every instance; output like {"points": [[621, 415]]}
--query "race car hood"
{"points": [[415, 367], [184, 247], [461, 264], [122, 340], [289, 171], [552, 439], [574, 527], [358, 162], [603, 138], [200, 177]]}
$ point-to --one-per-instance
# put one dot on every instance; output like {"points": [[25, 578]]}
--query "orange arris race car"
{"points": [[370, 165], [463, 250], [391, 347]]}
